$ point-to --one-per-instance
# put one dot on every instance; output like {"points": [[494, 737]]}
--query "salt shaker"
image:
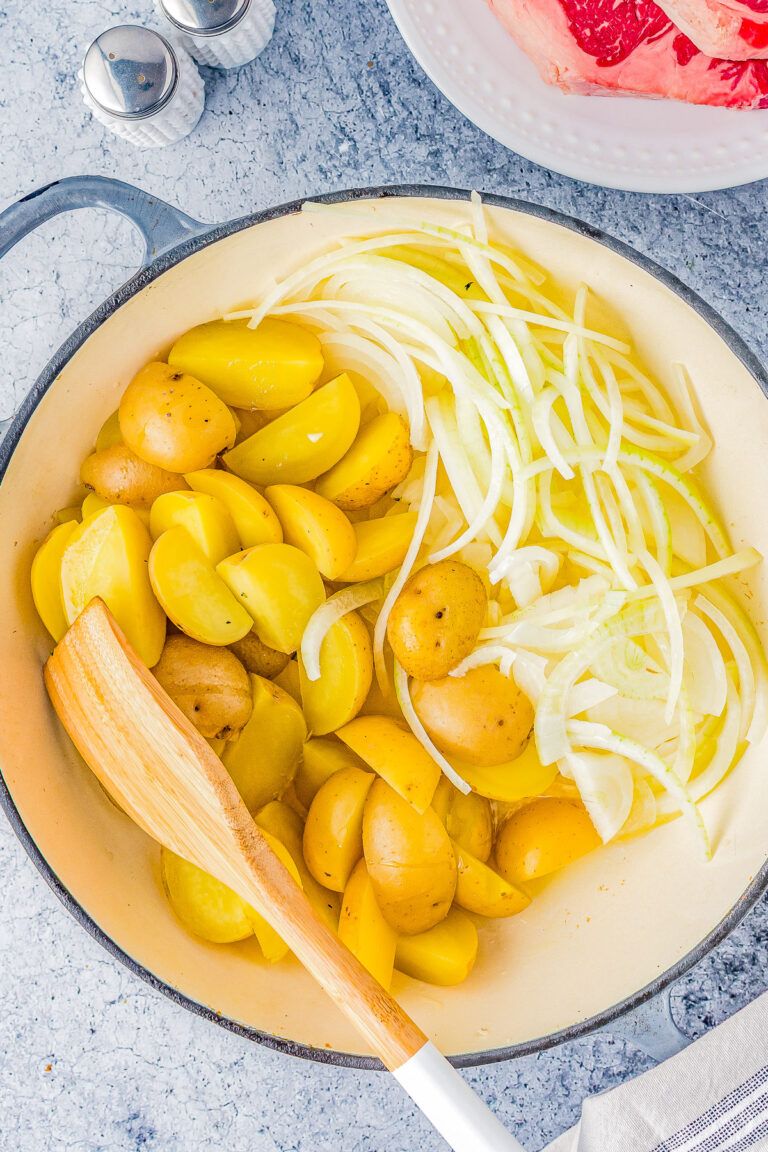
{"points": [[141, 88], [221, 33]]}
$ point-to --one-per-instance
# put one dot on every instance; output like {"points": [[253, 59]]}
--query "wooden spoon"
{"points": [[164, 775]]}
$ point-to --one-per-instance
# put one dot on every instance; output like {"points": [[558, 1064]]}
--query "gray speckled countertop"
{"points": [[90, 1058]]}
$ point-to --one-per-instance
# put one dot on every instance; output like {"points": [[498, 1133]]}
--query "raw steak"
{"points": [[626, 47], [736, 29]]}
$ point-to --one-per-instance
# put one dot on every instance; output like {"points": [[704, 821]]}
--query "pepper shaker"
{"points": [[221, 33], [141, 88]]}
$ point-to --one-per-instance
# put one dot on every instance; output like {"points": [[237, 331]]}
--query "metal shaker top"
{"points": [[205, 17], [131, 72]]}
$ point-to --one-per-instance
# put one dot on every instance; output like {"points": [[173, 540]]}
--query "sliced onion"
{"points": [[324, 617], [403, 694], [606, 787]]}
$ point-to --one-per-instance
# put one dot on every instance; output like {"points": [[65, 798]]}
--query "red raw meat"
{"points": [[736, 29], [627, 47]]}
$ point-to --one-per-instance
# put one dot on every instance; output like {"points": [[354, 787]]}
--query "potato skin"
{"points": [[378, 460], [481, 718], [543, 837], [410, 861], [436, 619], [258, 657], [173, 421], [208, 684], [118, 475]]}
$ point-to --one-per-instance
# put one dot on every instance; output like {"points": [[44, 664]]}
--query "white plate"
{"points": [[638, 145]]}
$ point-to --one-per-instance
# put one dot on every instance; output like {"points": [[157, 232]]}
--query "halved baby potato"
{"points": [[346, 672], [109, 433], [436, 619], [252, 515], [543, 837], [272, 366], [208, 684], [396, 755], [262, 761], [204, 517], [378, 460], [410, 860], [119, 476], [513, 780], [173, 420], [46, 579], [107, 556], [333, 833], [363, 928], [444, 955], [279, 586], [258, 657], [321, 757], [303, 442], [194, 597], [481, 890], [316, 526], [381, 545], [282, 822], [467, 818]]}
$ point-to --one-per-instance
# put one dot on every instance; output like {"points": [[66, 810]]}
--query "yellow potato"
{"points": [[257, 657], [321, 757], [436, 619], [109, 433], [543, 837], [204, 517], [381, 546], [193, 596], [173, 421], [279, 586], [252, 420], [66, 515], [302, 443], [515, 780], [94, 503], [378, 460], [106, 556], [396, 755], [272, 366], [209, 685], [481, 890], [445, 955], [363, 928], [346, 672], [288, 680], [333, 833], [410, 861], [46, 579], [119, 476], [205, 906], [481, 717], [467, 819], [263, 759], [316, 526], [287, 826], [254, 519]]}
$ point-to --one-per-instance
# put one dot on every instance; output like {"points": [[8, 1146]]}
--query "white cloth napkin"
{"points": [[712, 1097]]}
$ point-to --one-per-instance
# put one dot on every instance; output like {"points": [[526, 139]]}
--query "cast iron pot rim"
{"points": [[48, 376]]}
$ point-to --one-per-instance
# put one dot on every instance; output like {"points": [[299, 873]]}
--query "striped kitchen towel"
{"points": [[712, 1097]]}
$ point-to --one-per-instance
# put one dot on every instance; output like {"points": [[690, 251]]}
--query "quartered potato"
{"points": [[481, 890], [288, 680], [173, 420], [444, 955], [208, 684], [396, 755], [258, 657], [436, 619], [107, 556], [542, 837], [119, 476], [410, 860], [254, 519], [316, 526], [46, 579], [321, 757], [346, 672], [514, 780], [282, 822], [378, 460], [279, 586], [65, 515], [109, 433], [467, 818], [363, 928], [480, 718], [273, 366], [193, 596], [204, 517], [381, 545], [302, 443], [204, 905], [262, 761], [333, 833]]}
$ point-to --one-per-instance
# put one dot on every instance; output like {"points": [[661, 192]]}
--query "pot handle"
{"points": [[161, 225], [651, 1028]]}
